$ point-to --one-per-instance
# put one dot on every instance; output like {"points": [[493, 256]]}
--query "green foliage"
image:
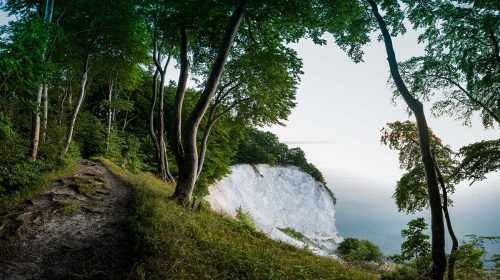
{"points": [[461, 62], [479, 159], [411, 189], [127, 151], [403, 272], [210, 245], [417, 243], [246, 221], [27, 190], [90, 134], [264, 147], [293, 233], [470, 255], [359, 250], [6, 131]]}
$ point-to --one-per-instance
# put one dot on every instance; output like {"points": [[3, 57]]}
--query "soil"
{"points": [[75, 229]]}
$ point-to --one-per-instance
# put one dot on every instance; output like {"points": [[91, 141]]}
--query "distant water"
{"points": [[366, 210]]}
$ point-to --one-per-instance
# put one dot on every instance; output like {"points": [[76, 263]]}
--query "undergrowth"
{"points": [[173, 242], [30, 190]]}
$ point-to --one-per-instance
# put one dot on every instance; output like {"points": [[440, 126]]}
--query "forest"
{"points": [[94, 80]]}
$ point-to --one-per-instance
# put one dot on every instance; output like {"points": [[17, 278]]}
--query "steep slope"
{"points": [[75, 229], [285, 202]]}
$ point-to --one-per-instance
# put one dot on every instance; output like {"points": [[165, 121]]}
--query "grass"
{"points": [[173, 242], [88, 187], [68, 208], [27, 192], [293, 233]]}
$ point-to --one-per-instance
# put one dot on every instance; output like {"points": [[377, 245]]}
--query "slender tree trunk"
{"points": [[45, 112], [83, 84], [49, 10], [165, 172], [61, 108], [437, 225], [451, 232], [35, 131], [187, 178], [110, 112], [152, 132]]}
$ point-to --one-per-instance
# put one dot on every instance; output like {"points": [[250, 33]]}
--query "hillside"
{"points": [[102, 222], [178, 243]]}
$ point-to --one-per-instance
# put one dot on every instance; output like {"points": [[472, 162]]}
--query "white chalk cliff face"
{"points": [[278, 198]]}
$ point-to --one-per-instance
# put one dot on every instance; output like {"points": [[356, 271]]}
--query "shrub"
{"points": [[246, 221], [359, 250]]}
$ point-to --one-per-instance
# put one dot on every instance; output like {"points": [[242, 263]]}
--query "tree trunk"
{"points": [[35, 126], [45, 112], [165, 172], [152, 132], [78, 104], [110, 112], [451, 232], [437, 226], [187, 178], [49, 10]]}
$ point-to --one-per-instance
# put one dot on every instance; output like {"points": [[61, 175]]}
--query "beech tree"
{"points": [[460, 69], [462, 58], [267, 26], [438, 267], [94, 31], [411, 195]]}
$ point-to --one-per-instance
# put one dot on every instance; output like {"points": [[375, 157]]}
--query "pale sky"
{"points": [[347, 104]]}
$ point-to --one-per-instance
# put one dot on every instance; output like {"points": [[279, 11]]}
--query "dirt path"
{"points": [[76, 229]]}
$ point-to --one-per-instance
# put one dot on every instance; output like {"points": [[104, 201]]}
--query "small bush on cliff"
{"points": [[359, 250], [246, 221]]}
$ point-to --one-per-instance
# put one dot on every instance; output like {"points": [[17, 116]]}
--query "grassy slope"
{"points": [[176, 243], [28, 192]]}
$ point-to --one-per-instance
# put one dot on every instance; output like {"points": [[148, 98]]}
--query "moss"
{"points": [[173, 242], [68, 208], [88, 187]]}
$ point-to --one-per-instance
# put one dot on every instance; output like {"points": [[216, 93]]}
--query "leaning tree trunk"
{"points": [[451, 232], [83, 84], [188, 171], [152, 132], [35, 135], [437, 226]]}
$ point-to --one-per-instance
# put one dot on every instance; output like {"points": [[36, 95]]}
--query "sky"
{"points": [[341, 108]]}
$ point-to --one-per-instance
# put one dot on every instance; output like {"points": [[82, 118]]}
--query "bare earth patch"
{"points": [[76, 229]]}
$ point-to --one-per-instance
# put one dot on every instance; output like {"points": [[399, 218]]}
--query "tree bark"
{"points": [[451, 232], [166, 176], [437, 226], [83, 83], [49, 10], [45, 112], [176, 133], [187, 178], [160, 145], [110, 112], [35, 126], [152, 132]]}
